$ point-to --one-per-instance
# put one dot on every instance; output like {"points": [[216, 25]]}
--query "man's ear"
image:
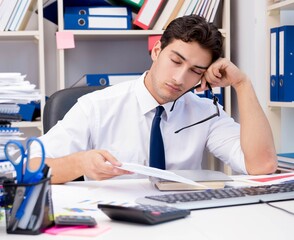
{"points": [[156, 50]]}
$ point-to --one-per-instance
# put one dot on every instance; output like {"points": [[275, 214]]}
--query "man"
{"points": [[111, 126]]}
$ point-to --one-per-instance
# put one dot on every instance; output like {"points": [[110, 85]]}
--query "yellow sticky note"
{"points": [[65, 40]]}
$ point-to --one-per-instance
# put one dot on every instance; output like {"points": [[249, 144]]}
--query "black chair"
{"points": [[60, 102]]}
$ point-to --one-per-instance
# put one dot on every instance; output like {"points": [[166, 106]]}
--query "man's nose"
{"points": [[180, 75]]}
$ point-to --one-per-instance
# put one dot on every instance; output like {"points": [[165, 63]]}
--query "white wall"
{"points": [[248, 37]]}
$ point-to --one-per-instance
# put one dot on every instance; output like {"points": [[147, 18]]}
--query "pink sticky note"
{"points": [[78, 230], [87, 232], [65, 40], [59, 229]]}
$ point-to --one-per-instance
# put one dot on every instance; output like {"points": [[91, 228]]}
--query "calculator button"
{"points": [[156, 213]]}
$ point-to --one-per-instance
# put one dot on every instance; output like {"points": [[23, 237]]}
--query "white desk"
{"points": [[257, 221]]}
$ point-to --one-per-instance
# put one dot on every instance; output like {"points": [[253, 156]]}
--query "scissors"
{"points": [[18, 156]]}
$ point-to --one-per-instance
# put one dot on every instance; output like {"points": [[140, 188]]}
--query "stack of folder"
{"points": [[98, 18], [157, 14], [130, 14], [282, 64]]}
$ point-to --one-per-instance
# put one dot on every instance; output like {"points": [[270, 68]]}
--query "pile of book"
{"points": [[15, 14], [286, 162], [133, 14]]}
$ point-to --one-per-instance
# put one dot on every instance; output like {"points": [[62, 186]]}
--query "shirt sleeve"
{"points": [[224, 142], [69, 135]]}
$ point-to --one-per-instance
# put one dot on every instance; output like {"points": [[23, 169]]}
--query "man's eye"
{"points": [[197, 72], [175, 61]]}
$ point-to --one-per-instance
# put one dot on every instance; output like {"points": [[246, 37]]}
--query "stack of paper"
{"points": [[14, 89]]}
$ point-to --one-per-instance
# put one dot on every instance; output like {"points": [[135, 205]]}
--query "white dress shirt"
{"points": [[118, 119]]}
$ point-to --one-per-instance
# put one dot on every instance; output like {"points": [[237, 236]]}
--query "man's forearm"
{"points": [[256, 135]]}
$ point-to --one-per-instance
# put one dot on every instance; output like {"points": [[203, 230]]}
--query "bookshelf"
{"points": [[130, 38], [276, 109], [28, 45]]}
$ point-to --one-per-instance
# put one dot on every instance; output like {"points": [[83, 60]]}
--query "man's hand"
{"points": [[100, 165], [223, 73], [95, 164]]}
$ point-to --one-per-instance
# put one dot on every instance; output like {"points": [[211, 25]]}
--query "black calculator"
{"points": [[145, 214]]}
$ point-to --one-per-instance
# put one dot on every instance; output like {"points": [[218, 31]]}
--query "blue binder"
{"points": [[105, 79], [99, 10], [50, 7], [286, 63], [29, 111], [274, 64], [91, 22]]}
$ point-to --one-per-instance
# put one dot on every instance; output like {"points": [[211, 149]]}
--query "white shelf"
{"points": [[283, 5], [36, 36], [281, 104], [19, 36], [23, 124], [119, 34]]}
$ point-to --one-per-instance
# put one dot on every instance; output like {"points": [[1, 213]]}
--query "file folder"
{"points": [[274, 64], [286, 63], [105, 79], [91, 22], [99, 10], [149, 13]]}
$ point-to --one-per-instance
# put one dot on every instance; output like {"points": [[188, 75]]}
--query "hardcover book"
{"points": [[208, 179]]}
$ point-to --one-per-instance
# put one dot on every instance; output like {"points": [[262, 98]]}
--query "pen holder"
{"points": [[28, 207]]}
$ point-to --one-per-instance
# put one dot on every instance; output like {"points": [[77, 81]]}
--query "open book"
{"points": [[207, 179]]}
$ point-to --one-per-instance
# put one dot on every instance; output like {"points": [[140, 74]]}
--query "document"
{"points": [[155, 172]]}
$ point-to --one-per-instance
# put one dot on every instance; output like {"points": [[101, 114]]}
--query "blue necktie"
{"points": [[156, 154]]}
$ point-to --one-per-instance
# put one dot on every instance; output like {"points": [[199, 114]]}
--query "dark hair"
{"points": [[193, 28]]}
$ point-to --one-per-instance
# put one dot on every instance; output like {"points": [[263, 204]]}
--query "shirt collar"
{"points": [[146, 100]]}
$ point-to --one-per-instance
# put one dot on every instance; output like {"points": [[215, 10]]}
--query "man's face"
{"points": [[175, 69]]}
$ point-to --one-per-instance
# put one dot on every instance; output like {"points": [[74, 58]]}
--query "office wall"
{"points": [[248, 38]]}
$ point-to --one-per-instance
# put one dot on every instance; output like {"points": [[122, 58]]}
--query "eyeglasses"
{"points": [[215, 102]]}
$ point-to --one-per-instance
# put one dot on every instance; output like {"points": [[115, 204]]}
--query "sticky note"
{"points": [[77, 230], [65, 40]]}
